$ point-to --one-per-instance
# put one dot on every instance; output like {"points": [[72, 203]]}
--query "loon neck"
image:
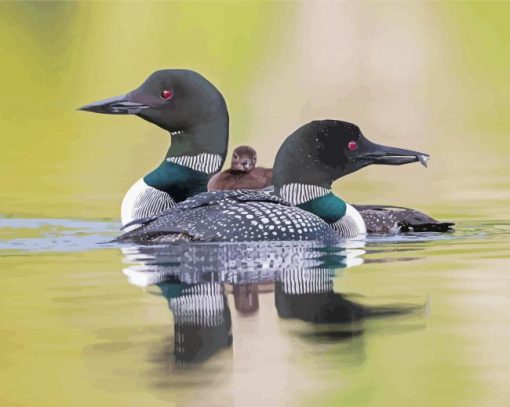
{"points": [[315, 199], [209, 137], [194, 155], [179, 181]]}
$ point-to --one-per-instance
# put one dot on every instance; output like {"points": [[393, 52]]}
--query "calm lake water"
{"points": [[419, 319], [409, 321]]}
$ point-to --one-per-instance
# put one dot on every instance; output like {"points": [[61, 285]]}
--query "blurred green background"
{"points": [[428, 76]]}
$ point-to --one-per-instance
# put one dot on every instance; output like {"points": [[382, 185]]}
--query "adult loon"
{"points": [[195, 114], [378, 218], [303, 207], [243, 173]]}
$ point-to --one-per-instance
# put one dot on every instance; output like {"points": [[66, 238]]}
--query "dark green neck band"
{"points": [[328, 207], [178, 181]]}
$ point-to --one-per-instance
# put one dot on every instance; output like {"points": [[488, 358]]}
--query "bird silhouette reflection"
{"points": [[196, 278]]}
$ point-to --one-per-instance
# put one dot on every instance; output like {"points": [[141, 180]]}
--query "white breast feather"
{"points": [[351, 224], [142, 201]]}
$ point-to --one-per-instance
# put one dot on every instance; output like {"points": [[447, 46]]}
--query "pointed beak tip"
{"points": [[424, 159], [86, 108], [115, 105]]}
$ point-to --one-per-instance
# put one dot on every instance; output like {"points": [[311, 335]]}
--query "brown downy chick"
{"points": [[242, 174]]}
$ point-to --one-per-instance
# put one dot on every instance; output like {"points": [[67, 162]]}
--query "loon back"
{"points": [[391, 219], [229, 216]]}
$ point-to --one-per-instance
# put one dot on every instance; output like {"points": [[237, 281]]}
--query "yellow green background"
{"points": [[431, 76]]}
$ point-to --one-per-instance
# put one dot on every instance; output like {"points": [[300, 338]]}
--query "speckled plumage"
{"points": [[224, 216], [394, 219]]}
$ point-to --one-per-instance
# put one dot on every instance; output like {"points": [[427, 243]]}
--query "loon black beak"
{"points": [[123, 104], [379, 154]]}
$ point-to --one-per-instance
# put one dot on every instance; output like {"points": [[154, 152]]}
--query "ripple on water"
{"points": [[68, 235], [55, 235], [271, 315]]}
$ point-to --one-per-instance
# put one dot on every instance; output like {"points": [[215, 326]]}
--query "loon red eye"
{"points": [[167, 94], [352, 145]]}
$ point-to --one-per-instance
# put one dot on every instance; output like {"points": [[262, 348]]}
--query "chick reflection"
{"points": [[202, 323], [246, 298]]}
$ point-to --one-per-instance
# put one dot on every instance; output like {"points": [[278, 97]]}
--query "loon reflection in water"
{"points": [[195, 279]]}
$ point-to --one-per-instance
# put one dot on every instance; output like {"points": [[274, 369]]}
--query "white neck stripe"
{"points": [[297, 194], [306, 281], [205, 162], [201, 304]]}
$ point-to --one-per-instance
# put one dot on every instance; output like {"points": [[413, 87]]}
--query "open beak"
{"points": [[123, 104], [379, 154]]}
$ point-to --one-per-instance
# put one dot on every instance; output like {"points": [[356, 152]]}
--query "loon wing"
{"points": [[387, 218], [219, 216], [268, 190], [209, 199]]}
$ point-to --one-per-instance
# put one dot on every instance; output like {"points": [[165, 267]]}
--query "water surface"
{"points": [[419, 317], [84, 322]]}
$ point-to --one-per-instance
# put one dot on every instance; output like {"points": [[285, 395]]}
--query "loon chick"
{"points": [[195, 114], [242, 173], [304, 207]]}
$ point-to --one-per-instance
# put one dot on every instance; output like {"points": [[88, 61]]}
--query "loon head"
{"points": [[195, 114], [173, 99], [244, 159], [322, 151]]}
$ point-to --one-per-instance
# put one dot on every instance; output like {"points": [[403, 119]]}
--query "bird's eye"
{"points": [[167, 94], [235, 157], [254, 158], [352, 145]]}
